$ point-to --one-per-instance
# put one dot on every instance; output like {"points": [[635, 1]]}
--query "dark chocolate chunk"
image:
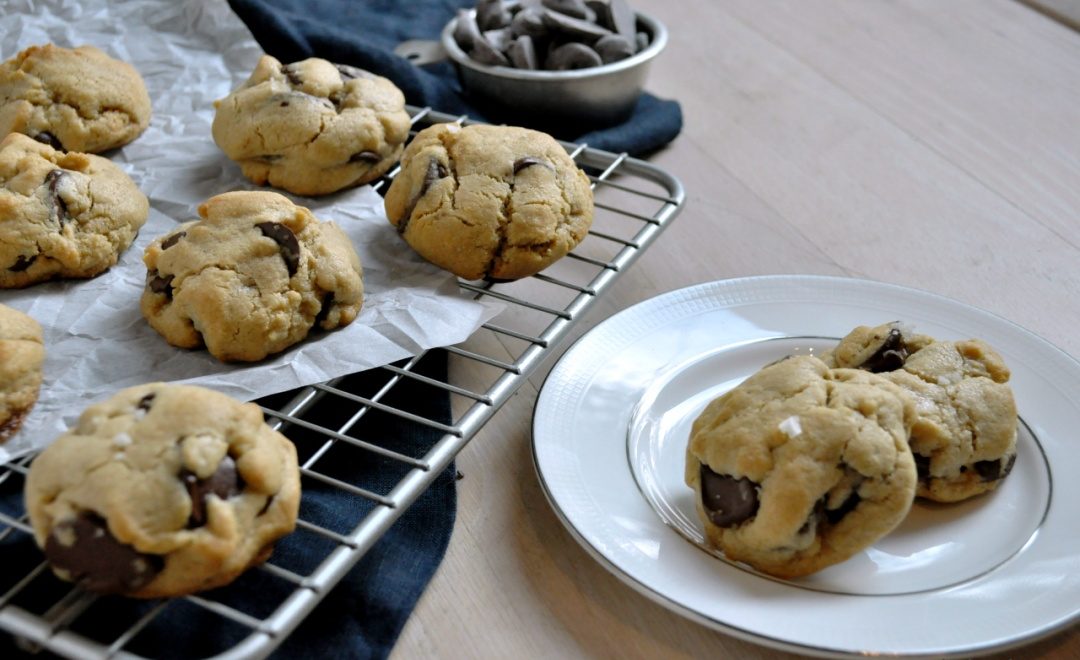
{"points": [[835, 515], [466, 31], [292, 75], [617, 16], [351, 72], [224, 482], [522, 53], [613, 48], [572, 56], [529, 161], [575, 8], [266, 507], [529, 22], [144, 403], [286, 240], [172, 240], [492, 15], [486, 53], [22, 263], [365, 157], [499, 39], [58, 211], [890, 356], [727, 500], [922, 466], [574, 28], [48, 138], [993, 470], [324, 310], [160, 284], [435, 171], [95, 560]]}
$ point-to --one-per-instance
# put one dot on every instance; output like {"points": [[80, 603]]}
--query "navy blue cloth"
{"points": [[364, 33], [364, 614]]}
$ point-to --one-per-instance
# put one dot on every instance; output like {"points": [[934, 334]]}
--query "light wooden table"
{"points": [[924, 143]]}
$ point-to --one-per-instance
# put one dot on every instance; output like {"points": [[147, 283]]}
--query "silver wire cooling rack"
{"points": [[327, 421]]}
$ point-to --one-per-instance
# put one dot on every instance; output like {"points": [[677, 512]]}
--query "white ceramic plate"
{"points": [[610, 432]]}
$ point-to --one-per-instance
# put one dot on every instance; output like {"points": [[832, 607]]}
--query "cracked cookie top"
{"points": [[802, 466], [162, 491], [497, 202], [251, 278], [22, 352], [312, 127], [62, 214], [964, 436], [72, 99]]}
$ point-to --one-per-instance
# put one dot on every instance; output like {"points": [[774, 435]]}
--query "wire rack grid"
{"points": [[330, 424]]}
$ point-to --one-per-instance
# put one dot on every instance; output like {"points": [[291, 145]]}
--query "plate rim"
{"points": [[1016, 641]]}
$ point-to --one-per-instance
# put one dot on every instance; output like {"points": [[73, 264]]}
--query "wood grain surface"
{"points": [[930, 144]]}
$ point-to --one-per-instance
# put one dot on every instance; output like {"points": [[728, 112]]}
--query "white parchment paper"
{"points": [[191, 53]]}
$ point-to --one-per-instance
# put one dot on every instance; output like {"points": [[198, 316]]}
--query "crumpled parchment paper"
{"points": [[190, 54]]}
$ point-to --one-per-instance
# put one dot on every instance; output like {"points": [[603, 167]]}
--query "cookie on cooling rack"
{"points": [[162, 491], [312, 127], [22, 352], [964, 435], [251, 278], [62, 215], [74, 99], [802, 466], [497, 202]]}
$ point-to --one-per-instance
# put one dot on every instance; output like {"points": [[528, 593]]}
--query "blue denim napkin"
{"points": [[363, 615], [364, 33]]}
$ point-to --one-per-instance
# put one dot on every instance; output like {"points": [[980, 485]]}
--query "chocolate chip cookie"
{"points": [[802, 466], [964, 435], [312, 127], [161, 491], [251, 278], [62, 215], [496, 202], [22, 353], [72, 99]]}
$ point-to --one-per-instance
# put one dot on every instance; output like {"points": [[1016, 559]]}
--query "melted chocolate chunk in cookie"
{"points": [[529, 161], [365, 157], [172, 240], [224, 482], [728, 501], [58, 211], [286, 240], [22, 263], [48, 138], [160, 283], [890, 356], [85, 549]]}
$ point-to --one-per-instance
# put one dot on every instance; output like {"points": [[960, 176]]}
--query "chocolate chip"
{"points": [[292, 75], [144, 403], [492, 15], [573, 28], [890, 356], [499, 39], [351, 72], [466, 31], [922, 467], [95, 560], [522, 53], [58, 211], [22, 263], [324, 310], [993, 470], [160, 284], [172, 240], [727, 500], [224, 482], [48, 138], [529, 161], [575, 8], [613, 48], [486, 53], [286, 240], [572, 56], [529, 22], [365, 157], [435, 171], [835, 515], [615, 15]]}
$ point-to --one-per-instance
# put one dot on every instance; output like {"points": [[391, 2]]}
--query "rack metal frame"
{"points": [[649, 199]]}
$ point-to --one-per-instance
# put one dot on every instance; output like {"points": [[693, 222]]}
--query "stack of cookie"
{"points": [[811, 460], [165, 490]]}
